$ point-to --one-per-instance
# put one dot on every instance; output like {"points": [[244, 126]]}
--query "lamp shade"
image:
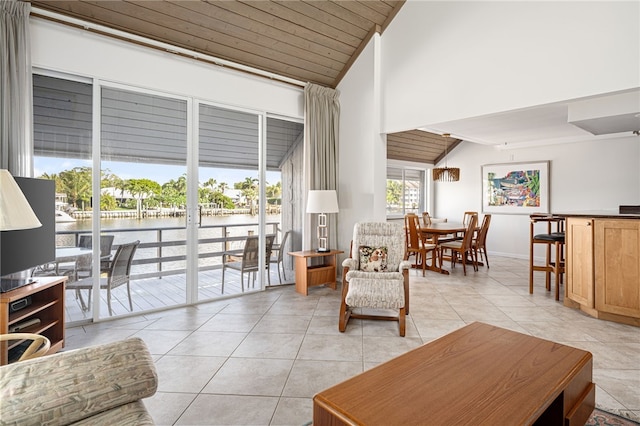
{"points": [[15, 211], [322, 201]]}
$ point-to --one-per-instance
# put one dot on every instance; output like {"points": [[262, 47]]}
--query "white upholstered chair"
{"points": [[370, 283]]}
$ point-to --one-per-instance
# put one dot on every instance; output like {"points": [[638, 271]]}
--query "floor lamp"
{"points": [[322, 202]]}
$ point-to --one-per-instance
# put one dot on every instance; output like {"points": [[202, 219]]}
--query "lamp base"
{"points": [[322, 250]]}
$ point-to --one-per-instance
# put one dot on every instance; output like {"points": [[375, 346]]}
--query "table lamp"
{"points": [[322, 202], [15, 211]]}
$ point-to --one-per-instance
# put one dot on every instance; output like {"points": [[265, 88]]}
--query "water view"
{"points": [[165, 237]]}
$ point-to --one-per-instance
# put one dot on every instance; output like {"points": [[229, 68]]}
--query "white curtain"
{"points": [[16, 117], [322, 123]]}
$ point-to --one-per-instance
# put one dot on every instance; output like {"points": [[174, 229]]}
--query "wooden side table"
{"points": [[313, 275]]}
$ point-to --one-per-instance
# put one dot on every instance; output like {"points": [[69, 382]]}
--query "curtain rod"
{"points": [[101, 29]]}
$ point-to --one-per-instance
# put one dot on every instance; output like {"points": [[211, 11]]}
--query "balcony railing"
{"points": [[162, 251]]}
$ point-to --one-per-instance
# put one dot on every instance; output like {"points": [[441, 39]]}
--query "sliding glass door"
{"points": [[63, 129], [229, 231], [190, 183], [143, 198]]}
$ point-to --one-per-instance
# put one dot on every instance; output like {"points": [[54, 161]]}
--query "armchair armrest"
{"points": [[405, 264], [350, 263]]}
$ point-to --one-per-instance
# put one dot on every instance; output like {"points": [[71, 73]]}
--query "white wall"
{"points": [[448, 60], [594, 175], [362, 150], [74, 51], [451, 60]]}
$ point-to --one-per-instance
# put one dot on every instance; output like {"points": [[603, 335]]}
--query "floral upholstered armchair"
{"points": [[375, 276]]}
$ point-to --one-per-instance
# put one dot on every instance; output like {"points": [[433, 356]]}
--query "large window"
{"points": [[405, 191], [134, 147]]}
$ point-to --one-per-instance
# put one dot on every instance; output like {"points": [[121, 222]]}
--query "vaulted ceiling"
{"points": [[303, 41], [309, 41], [306, 41]]}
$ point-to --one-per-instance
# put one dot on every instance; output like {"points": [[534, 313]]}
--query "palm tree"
{"points": [[76, 183], [274, 191], [249, 190], [211, 183]]}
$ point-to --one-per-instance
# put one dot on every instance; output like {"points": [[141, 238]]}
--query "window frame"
{"points": [[404, 170]]}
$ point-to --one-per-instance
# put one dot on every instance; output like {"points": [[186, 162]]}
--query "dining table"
{"points": [[71, 255], [435, 233]]}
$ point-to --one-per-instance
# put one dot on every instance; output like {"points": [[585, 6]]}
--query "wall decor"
{"points": [[515, 188]]}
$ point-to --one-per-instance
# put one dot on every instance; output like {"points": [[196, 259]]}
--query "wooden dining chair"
{"points": [[466, 218], [415, 245], [426, 221], [480, 241], [426, 218], [462, 249]]}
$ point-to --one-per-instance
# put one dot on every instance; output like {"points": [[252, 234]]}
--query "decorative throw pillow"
{"points": [[373, 259]]}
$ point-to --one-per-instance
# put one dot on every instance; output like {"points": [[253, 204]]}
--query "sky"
{"points": [[159, 173]]}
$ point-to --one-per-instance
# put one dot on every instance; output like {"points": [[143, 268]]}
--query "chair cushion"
{"points": [[377, 293], [67, 387], [553, 237], [380, 234], [452, 244], [373, 259]]}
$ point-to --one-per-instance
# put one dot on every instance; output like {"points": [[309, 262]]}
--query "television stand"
{"points": [[47, 306], [8, 284]]}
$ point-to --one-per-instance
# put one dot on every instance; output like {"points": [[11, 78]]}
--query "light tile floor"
{"points": [[259, 359]]}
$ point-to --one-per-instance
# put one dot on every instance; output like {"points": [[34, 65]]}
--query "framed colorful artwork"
{"points": [[515, 188]]}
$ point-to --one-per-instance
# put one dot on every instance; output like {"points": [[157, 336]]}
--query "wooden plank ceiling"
{"points": [[419, 146], [308, 41]]}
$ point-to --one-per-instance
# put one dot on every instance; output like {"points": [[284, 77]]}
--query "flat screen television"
{"points": [[27, 248]]}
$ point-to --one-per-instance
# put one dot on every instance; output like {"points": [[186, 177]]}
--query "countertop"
{"points": [[606, 214]]}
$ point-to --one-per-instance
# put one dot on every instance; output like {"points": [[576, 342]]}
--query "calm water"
{"points": [[126, 230]]}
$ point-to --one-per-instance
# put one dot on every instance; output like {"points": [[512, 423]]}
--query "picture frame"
{"points": [[515, 188]]}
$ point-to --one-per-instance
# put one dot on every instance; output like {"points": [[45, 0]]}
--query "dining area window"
{"points": [[406, 191]]}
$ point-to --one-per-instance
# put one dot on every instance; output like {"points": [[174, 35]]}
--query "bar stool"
{"points": [[549, 239]]}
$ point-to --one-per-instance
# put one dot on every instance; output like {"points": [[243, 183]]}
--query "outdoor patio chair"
{"points": [[117, 275], [247, 260], [106, 244], [82, 267], [279, 258]]}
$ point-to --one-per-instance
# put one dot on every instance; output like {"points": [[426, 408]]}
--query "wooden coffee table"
{"points": [[477, 375]]}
